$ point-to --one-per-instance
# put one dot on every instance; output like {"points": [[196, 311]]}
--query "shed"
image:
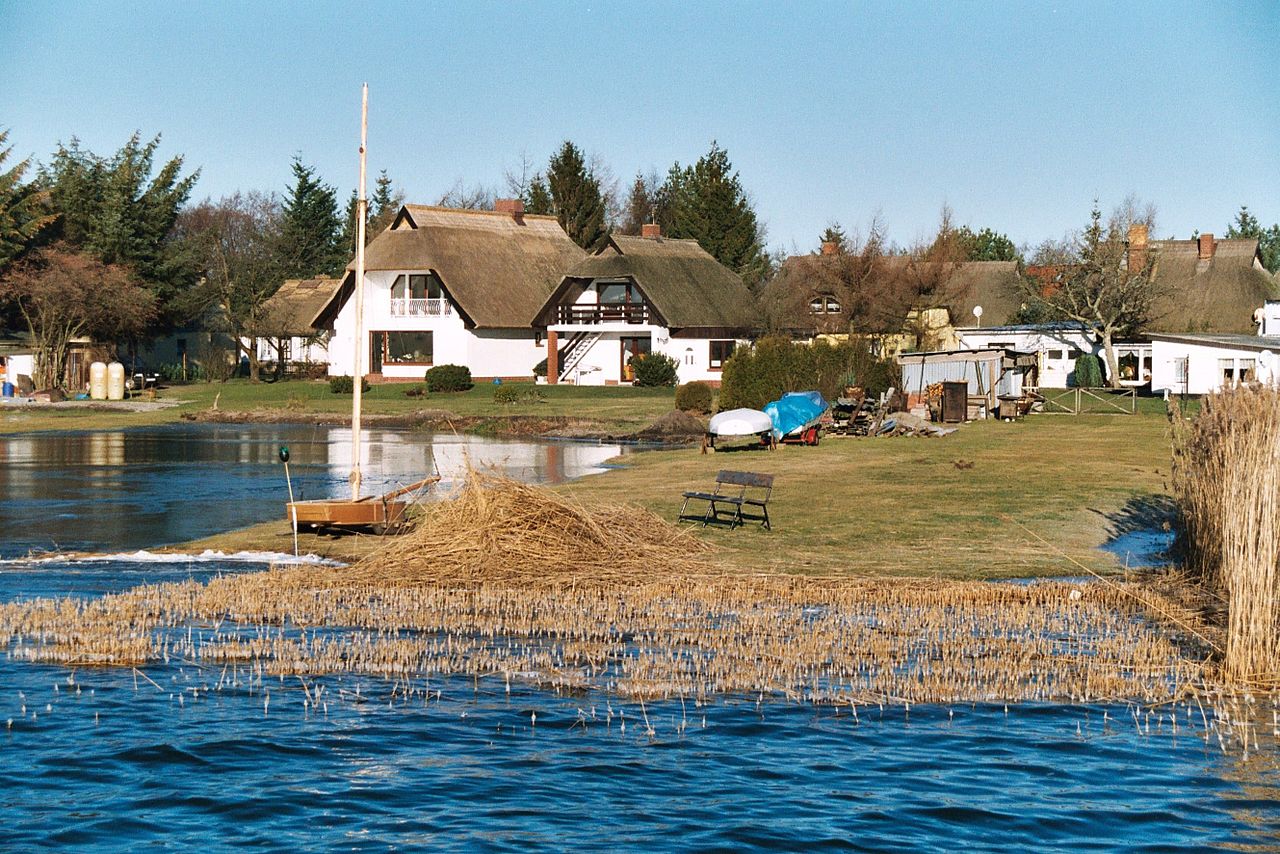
{"points": [[990, 373]]}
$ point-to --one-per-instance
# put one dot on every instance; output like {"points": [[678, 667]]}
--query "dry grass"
{"points": [[516, 582], [1226, 479]]}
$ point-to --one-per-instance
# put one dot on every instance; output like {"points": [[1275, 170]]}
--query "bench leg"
{"points": [[765, 511]]}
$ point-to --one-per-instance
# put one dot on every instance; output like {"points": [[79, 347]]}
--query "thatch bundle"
{"points": [[1226, 481], [495, 528]]}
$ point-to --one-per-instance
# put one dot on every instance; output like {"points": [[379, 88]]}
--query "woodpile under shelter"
{"points": [[993, 377]]}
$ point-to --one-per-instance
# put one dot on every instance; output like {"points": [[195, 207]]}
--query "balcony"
{"points": [[607, 313], [420, 308]]}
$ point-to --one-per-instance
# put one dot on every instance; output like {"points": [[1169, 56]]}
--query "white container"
{"points": [[115, 381], [98, 381]]}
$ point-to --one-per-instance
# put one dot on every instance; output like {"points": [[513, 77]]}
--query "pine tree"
{"points": [[709, 205], [538, 198], [347, 237], [1247, 225], [384, 205], [23, 208], [834, 235], [639, 208], [576, 198], [118, 212], [311, 243]]}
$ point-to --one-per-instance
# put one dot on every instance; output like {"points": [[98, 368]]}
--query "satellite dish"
{"points": [[977, 311]]}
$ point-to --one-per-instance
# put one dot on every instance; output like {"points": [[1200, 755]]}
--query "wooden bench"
{"points": [[734, 491]]}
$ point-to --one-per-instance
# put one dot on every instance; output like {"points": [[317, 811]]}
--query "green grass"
{"points": [[902, 506]]}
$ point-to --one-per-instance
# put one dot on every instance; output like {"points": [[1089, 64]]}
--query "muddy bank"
{"points": [[442, 420]]}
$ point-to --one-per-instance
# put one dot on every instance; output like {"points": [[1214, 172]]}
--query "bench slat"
{"points": [[745, 478]]}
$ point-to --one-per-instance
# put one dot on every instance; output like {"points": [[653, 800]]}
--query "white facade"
{"points": [[1199, 364], [405, 336], [603, 347], [1058, 348], [298, 350]]}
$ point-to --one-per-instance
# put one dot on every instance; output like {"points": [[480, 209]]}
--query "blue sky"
{"points": [[1017, 115]]}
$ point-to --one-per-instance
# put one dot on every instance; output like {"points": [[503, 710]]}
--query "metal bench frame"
{"points": [[733, 502]]}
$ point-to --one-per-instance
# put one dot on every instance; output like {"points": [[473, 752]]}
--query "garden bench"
{"points": [[734, 490]]}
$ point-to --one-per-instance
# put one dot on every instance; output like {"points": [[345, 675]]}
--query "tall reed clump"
{"points": [[1226, 481]]}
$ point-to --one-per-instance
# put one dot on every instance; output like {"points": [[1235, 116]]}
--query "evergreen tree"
{"points": [[347, 237], [834, 234], [118, 212], [986, 245], [576, 198], [1247, 225], [384, 205], [639, 207], [709, 205], [312, 235], [23, 208]]}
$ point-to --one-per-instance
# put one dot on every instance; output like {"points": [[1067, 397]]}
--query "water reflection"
{"points": [[131, 489]]}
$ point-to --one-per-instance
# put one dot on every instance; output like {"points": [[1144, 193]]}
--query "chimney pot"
{"points": [[515, 207], [650, 229], [1207, 246], [1138, 234], [830, 247], [1137, 246]]}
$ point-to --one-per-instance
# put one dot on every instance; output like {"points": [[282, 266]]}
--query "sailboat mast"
{"points": [[358, 374]]}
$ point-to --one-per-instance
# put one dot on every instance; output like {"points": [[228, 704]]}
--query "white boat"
{"points": [[740, 422]]}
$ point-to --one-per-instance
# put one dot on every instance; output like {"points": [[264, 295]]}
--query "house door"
{"points": [[376, 342], [632, 346]]}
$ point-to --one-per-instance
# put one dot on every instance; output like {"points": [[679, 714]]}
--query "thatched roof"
{"points": [[1217, 295], [685, 285], [498, 268], [293, 308], [877, 293]]}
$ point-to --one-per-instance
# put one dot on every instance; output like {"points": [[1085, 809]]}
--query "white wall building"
{"points": [[1058, 345], [641, 295], [447, 286]]}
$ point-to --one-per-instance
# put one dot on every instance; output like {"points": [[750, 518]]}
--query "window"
{"points": [[403, 348], [824, 305], [1227, 367], [720, 353], [688, 356], [1074, 353], [397, 288], [1054, 355], [618, 293], [1248, 370]]}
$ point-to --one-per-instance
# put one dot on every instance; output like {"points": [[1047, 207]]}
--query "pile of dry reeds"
{"points": [[1226, 481], [497, 528]]}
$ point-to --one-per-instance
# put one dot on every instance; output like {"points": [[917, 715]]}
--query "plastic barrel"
{"points": [[7, 389], [115, 381], [98, 381]]}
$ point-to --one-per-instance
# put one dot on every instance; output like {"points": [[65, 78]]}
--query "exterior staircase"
{"points": [[574, 351]]}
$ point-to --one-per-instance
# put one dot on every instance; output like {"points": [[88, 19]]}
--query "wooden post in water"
{"points": [[357, 375]]}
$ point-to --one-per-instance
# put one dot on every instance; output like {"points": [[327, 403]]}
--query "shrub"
{"points": [[416, 390], [540, 369], [444, 378], [506, 394], [345, 385], [694, 397], [653, 370], [1087, 372], [755, 375]]}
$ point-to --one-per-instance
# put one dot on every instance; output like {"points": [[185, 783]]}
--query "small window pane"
{"points": [[615, 294], [1054, 355], [417, 287], [397, 288], [833, 307], [816, 306]]}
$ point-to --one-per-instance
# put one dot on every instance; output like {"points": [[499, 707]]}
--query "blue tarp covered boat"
{"points": [[796, 415]]}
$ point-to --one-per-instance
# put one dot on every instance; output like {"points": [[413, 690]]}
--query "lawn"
{"points": [[958, 507]]}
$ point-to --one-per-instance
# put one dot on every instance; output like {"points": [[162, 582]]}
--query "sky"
{"points": [[1016, 115]]}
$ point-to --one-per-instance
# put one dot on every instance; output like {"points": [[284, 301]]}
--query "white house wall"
{"points": [[1204, 372], [1054, 373], [487, 353], [602, 364]]}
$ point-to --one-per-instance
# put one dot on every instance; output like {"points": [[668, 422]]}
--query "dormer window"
{"points": [[418, 295], [824, 304]]}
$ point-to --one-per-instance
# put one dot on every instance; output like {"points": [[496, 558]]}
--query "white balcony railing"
{"points": [[420, 308]]}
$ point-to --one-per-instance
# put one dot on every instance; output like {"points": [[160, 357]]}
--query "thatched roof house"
{"points": [[293, 308], [497, 267], [1207, 285], [686, 289], [830, 292]]}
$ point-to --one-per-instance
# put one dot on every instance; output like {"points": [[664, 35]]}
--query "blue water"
{"points": [[110, 759]]}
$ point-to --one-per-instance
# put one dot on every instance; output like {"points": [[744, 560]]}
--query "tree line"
{"points": [[112, 247]]}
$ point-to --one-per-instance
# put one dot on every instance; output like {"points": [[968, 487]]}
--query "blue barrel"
{"points": [[7, 389]]}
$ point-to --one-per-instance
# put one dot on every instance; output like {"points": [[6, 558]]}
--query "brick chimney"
{"points": [[515, 207], [830, 247], [1207, 246], [1137, 246], [650, 229]]}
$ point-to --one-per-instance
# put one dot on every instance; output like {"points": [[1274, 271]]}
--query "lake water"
{"points": [[110, 759]]}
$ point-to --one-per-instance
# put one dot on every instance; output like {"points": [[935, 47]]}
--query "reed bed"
{"points": [[515, 583], [1226, 481]]}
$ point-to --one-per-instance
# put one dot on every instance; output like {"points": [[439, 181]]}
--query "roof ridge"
{"points": [[476, 212]]}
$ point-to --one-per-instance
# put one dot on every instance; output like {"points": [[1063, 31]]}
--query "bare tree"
{"points": [[63, 295], [476, 198], [1108, 289]]}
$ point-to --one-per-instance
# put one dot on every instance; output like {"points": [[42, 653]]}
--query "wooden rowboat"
{"points": [[378, 513]]}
